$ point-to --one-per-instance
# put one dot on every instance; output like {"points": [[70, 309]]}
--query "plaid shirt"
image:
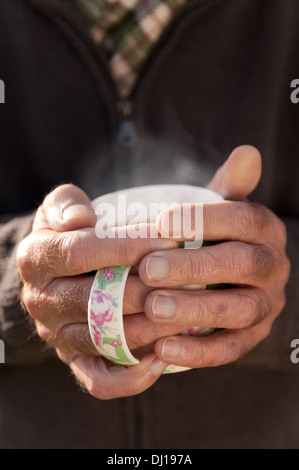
{"points": [[126, 30]]}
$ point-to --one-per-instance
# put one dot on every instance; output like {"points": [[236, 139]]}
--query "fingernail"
{"points": [[163, 307], [170, 348], [74, 211], [156, 268], [157, 367]]}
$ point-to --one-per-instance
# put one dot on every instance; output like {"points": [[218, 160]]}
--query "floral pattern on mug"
{"points": [[104, 310], [105, 314], [105, 318], [108, 274]]}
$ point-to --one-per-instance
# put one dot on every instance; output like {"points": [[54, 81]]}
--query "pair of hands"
{"points": [[62, 247]]}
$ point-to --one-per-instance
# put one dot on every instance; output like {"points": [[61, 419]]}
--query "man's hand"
{"points": [[251, 258], [54, 262]]}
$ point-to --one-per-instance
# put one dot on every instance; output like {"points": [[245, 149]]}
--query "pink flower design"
{"points": [[101, 318], [192, 331], [100, 296], [103, 308], [97, 336], [108, 274], [115, 343]]}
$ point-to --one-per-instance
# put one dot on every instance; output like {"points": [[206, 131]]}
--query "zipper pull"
{"points": [[127, 133]]}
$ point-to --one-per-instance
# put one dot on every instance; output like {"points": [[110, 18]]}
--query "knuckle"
{"points": [[220, 310], [228, 353], [230, 350], [187, 268], [281, 231], [136, 339], [28, 299], [254, 309], [238, 256], [239, 219], [219, 355], [71, 252], [258, 217], [281, 302], [200, 354], [125, 250], [84, 342], [43, 332], [43, 254], [34, 301], [137, 332], [24, 257], [233, 351], [193, 268], [261, 263], [264, 330], [66, 249], [78, 294], [78, 338], [252, 219], [285, 269]]}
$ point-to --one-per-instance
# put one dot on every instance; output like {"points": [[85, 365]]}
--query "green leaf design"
{"points": [[119, 351], [121, 354]]}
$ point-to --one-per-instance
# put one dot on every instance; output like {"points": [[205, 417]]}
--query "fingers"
{"points": [[65, 208], [135, 295], [140, 331], [65, 300], [239, 175], [231, 308], [99, 377], [46, 254], [228, 263], [224, 220], [220, 348], [105, 381], [60, 313], [73, 338]]}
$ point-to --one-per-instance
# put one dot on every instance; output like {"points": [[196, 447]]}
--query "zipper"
{"points": [[62, 13], [127, 132]]}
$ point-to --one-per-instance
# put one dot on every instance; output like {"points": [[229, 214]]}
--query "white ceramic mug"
{"points": [[117, 209]]}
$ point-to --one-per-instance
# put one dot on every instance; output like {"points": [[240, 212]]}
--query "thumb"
{"points": [[66, 208], [239, 175]]}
